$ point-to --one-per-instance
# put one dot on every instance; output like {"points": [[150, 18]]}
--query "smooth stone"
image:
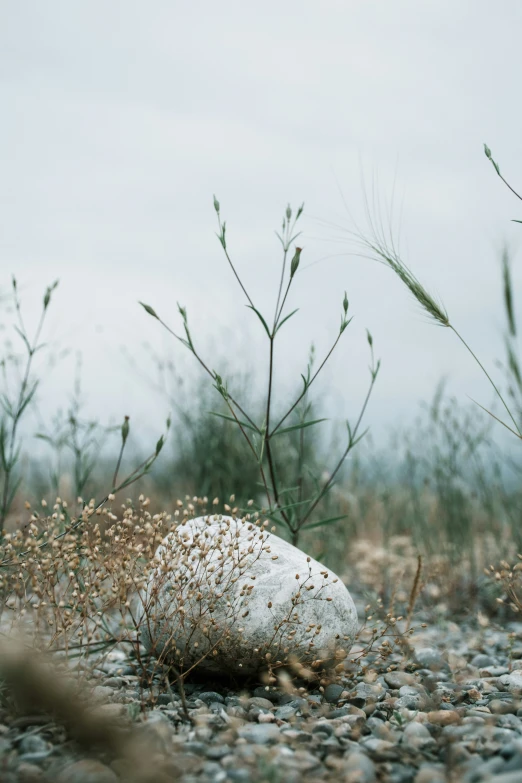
{"points": [[443, 717], [369, 692], [251, 615], [513, 681], [258, 701], [114, 682], [502, 707], [193, 746], [323, 727], [295, 735], [269, 692], [217, 752], [28, 773], [409, 702], [33, 744], [429, 657], [417, 735], [332, 693], [260, 734], [285, 712], [239, 775], [102, 693], [380, 729], [358, 767], [211, 696], [493, 671], [431, 773], [397, 679], [376, 745], [481, 661], [266, 717], [87, 771], [340, 712]]}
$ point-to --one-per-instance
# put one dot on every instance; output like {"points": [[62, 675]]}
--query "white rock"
{"points": [[231, 597], [513, 681]]}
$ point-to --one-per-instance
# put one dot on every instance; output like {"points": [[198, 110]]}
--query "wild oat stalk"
{"points": [[381, 249]]}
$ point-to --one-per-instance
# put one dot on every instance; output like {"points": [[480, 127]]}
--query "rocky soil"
{"points": [[451, 711]]}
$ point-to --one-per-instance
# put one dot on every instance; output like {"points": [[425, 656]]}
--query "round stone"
{"points": [[233, 598]]}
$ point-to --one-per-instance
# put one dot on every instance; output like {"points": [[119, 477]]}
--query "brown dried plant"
{"points": [[108, 585]]}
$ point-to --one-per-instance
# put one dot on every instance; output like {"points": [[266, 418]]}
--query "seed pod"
{"points": [[149, 310], [295, 261], [125, 429]]}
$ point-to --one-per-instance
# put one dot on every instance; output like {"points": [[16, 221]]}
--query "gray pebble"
{"points": [[397, 679], [357, 766], [285, 712], [260, 734], [211, 696], [480, 661], [86, 771], [33, 743], [429, 657], [332, 693], [258, 701]]}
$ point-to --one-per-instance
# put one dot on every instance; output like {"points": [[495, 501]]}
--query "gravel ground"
{"points": [[450, 712]]}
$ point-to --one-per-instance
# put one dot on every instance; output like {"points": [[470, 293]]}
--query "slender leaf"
{"points": [[286, 319], [13, 492], [291, 505], [236, 421], [28, 399], [496, 418], [47, 438], [251, 307], [323, 522], [24, 338], [298, 426], [6, 405]]}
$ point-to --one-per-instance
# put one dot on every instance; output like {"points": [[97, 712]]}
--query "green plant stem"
{"points": [[278, 311], [284, 300], [497, 391], [18, 412], [351, 443], [268, 449], [118, 464], [509, 186], [296, 403], [251, 446], [207, 370], [234, 269]]}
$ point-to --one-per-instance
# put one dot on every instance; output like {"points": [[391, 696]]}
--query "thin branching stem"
{"points": [[20, 405], [268, 447], [207, 370], [314, 376], [232, 265], [351, 443]]}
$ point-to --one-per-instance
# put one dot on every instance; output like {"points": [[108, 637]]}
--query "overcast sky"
{"points": [[119, 121]]}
